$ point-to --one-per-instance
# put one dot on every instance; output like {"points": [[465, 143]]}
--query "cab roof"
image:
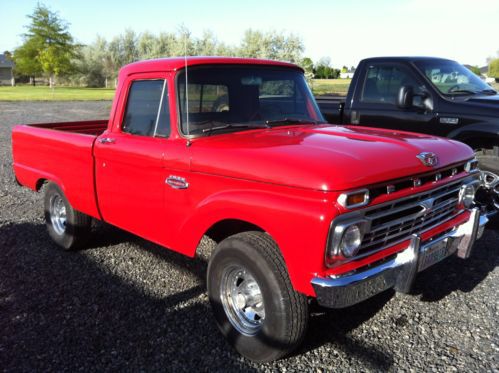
{"points": [[176, 63]]}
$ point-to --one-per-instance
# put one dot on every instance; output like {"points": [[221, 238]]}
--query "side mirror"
{"points": [[405, 97]]}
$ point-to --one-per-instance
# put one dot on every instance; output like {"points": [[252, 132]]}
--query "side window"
{"points": [[147, 111], [382, 84]]}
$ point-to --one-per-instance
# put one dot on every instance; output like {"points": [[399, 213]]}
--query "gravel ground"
{"points": [[126, 304]]}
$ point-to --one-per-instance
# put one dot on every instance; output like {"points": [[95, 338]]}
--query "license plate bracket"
{"points": [[435, 252]]}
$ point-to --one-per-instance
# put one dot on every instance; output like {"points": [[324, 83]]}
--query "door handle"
{"points": [[107, 140]]}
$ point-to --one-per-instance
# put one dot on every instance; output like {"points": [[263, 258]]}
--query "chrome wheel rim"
{"points": [[242, 300], [58, 214], [491, 184]]}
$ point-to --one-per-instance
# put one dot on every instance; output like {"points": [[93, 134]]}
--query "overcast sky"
{"points": [[346, 31]]}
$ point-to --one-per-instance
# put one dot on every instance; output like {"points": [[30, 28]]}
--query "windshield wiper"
{"points": [[289, 120], [467, 91], [489, 91], [232, 125]]}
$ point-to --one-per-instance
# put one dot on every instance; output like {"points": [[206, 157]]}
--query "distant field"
{"points": [[44, 93], [330, 86]]}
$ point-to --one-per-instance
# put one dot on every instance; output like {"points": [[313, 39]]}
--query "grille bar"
{"points": [[394, 222]]}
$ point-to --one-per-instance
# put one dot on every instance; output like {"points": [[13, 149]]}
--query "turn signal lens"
{"points": [[354, 199]]}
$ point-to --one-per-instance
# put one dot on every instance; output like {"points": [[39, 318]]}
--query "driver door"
{"points": [[376, 101]]}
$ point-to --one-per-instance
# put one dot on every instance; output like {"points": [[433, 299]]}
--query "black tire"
{"points": [[71, 229], [285, 319], [488, 161]]}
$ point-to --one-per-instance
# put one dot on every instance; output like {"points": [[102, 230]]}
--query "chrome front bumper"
{"points": [[398, 273]]}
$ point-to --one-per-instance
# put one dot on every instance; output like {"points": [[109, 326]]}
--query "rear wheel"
{"points": [[253, 301], [68, 228]]}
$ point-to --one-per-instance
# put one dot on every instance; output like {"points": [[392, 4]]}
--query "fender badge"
{"points": [[429, 159], [445, 120]]}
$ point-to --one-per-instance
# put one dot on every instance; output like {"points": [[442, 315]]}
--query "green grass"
{"points": [[330, 86], [44, 93]]}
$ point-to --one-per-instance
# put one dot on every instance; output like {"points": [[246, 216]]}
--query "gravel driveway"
{"points": [[127, 305]]}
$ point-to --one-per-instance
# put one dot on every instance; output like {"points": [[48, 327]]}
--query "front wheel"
{"points": [[67, 227], [488, 162], [253, 301]]}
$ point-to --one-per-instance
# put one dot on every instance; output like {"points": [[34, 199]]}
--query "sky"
{"points": [[345, 31]]}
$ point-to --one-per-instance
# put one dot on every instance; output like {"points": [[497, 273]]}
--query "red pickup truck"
{"points": [[237, 150]]}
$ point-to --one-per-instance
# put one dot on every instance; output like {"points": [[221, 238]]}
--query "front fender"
{"points": [[298, 222], [486, 131]]}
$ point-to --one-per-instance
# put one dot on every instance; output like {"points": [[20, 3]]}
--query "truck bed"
{"points": [[95, 127], [331, 107], [60, 152]]}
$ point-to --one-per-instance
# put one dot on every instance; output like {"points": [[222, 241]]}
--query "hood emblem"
{"points": [[429, 159]]}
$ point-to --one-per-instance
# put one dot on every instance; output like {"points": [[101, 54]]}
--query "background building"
{"points": [[6, 73]]}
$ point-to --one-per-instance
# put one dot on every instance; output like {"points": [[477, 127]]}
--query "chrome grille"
{"points": [[396, 221]]}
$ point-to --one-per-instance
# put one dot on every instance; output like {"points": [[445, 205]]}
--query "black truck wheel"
{"points": [[68, 228], [253, 301], [488, 162]]}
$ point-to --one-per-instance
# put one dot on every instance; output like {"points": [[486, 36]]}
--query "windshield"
{"points": [[452, 78], [222, 98]]}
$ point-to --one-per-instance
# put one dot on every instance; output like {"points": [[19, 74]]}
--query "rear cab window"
{"points": [[147, 109]]}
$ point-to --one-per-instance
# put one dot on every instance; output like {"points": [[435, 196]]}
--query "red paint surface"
{"points": [[284, 180]]}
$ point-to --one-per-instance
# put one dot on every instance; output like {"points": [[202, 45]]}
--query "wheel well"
{"points": [[40, 183], [225, 228]]}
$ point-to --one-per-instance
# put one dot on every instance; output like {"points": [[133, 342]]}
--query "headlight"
{"points": [[350, 243], [467, 195], [345, 239]]}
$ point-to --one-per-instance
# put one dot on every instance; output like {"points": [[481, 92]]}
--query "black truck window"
{"points": [[147, 111], [383, 82]]}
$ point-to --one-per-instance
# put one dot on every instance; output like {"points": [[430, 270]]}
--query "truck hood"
{"points": [[488, 105], [321, 157]]}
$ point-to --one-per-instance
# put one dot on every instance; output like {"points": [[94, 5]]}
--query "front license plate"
{"points": [[435, 253]]}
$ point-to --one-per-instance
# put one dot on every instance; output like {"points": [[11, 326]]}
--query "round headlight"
{"points": [[351, 240], [467, 195]]}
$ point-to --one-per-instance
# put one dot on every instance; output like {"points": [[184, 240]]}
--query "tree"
{"points": [[494, 68], [323, 69], [272, 45], [26, 60], [308, 65], [48, 46], [475, 70]]}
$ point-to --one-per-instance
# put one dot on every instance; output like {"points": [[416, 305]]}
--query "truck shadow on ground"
{"points": [[455, 274], [71, 311]]}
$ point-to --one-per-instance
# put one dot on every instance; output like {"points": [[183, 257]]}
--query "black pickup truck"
{"points": [[429, 95]]}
